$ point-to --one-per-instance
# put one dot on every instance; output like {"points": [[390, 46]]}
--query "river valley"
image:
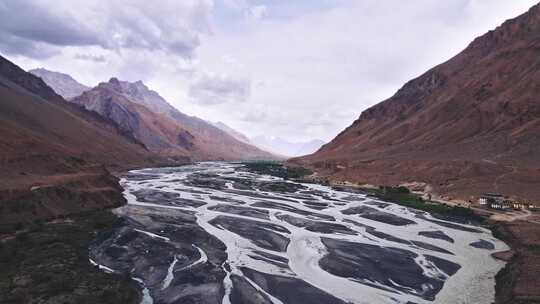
{"points": [[217, 233]]}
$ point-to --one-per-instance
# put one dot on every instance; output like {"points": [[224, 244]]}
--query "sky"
{"points": [[298, 70]]}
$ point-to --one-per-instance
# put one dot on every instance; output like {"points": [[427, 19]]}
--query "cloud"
{"points": [[258, 11], [90, 57], [323, 62], [171, 26], [216, 89]]}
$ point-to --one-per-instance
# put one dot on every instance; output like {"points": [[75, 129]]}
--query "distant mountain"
{"points": [[161, 127], [287, 148], [467, 126], [63, 84], [232, 132]]}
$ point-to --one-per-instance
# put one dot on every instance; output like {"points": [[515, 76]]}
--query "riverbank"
{"points": [[517, 282]]}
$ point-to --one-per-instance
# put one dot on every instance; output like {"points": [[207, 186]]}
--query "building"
{"points": [[499, 202], [519, 206], [490, 198], [502, 205]]}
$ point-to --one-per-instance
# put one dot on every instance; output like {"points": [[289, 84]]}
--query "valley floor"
{"points": [[49, 262]]}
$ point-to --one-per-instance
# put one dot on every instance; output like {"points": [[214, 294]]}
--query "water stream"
{"points": [[215, 233]]}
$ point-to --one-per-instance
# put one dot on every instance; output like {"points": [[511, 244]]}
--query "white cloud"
{"points": [[257, 11], [211, 89]]}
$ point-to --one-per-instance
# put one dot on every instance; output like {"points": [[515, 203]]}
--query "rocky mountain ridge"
{"points": [[149, 118], [467, 126]]}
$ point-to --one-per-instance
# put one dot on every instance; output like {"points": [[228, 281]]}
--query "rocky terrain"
{"points": [[467, 126], [63, 84]]}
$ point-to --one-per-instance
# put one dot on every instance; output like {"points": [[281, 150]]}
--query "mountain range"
{"points": [[58, 153], [146, 116], [55, 156], [467, 126]]}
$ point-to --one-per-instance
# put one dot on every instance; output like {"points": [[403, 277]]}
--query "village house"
{"points": [[499, 201], [490, 198], [519, 206]]}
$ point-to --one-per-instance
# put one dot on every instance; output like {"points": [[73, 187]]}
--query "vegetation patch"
{"points": [[402, 196], [276, 169]]}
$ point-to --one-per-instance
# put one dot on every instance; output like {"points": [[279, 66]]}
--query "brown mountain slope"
{"points": [[149, 118], [49, 145], [467, 126], [157, 132]]}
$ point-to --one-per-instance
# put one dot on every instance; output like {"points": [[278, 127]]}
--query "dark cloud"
{"points": [[173, 27], [12, 45], [31, 21], [209, 90]]}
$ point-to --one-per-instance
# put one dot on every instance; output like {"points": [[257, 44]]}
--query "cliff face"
{"points": [[469, 125]]}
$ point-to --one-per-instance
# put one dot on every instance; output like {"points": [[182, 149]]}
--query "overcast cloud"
{"points": [[217, 89], [297, 69]]}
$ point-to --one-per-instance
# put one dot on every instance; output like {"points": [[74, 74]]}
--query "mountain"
{"points": [[149, 118], [467, 126], [284, 147], [232, 132], [157, 132], [54, 155], [63, 84]]}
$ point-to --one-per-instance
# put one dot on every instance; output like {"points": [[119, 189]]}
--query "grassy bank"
{"points": [[48, 263], [277, 169], [402, 196], [398, 195]]}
